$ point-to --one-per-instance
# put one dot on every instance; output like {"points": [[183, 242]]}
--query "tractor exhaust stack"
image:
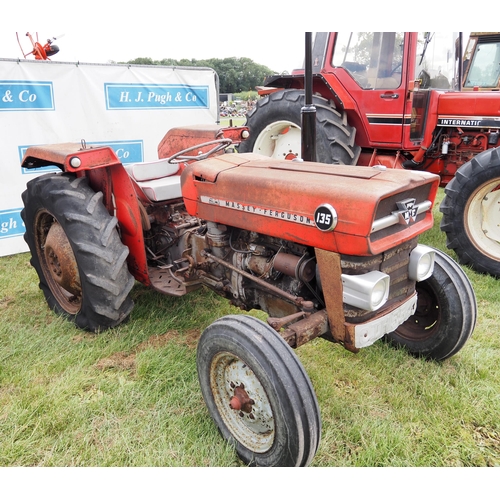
{"points": [[308, 112]]}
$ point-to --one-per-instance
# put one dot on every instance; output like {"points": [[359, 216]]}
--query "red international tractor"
{"points": [[396, 99]]}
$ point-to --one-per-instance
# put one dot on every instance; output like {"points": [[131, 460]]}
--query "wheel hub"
{"points": [[60, 260], [490, 211], [482, 219], [423, 323], [280, 140], [241, 400]]}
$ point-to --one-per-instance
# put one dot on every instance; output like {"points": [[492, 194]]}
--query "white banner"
{"points": [[127, 107]]}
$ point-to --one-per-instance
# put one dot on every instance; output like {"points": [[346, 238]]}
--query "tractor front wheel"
{"points": [[258, 393], [275, 131], [76, 251], [471, 213], [445, 316]]}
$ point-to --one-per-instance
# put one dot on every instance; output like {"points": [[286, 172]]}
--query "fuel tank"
{"points": [[346, 209]]}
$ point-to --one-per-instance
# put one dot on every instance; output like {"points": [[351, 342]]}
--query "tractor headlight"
{"points": [[421, 263], [367, 291]]}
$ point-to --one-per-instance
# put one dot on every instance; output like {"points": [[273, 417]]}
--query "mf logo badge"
{"points": [[407, 211]]}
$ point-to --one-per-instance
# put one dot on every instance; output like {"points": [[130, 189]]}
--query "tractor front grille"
{"points": [[395, 263], [388, 210]]}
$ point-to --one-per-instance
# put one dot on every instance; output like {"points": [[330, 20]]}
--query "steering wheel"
{"points": [[181, 156], [425, 79]]}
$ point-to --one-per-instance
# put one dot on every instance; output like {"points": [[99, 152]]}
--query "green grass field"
{"points": [[130, 396], [237, 121]]}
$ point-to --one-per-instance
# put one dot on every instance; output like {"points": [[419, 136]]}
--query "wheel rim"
{"points": [[426, 319], [482, 219], [242, 402], [58, 262], [280, 140]]}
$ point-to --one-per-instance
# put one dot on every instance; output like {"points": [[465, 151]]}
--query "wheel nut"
{"points": [[235, 403]]}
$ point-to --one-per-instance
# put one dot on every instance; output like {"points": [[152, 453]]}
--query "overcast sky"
{"points": [[122, 45], [272, 34], [105, 31]]}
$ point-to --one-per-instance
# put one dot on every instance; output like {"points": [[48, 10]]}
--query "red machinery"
{"points": [[324, 250], [40, 52], [395, 99]]}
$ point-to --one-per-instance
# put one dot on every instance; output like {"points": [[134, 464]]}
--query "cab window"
{"points": [[435, 65], [374, 60], [484, 70]]}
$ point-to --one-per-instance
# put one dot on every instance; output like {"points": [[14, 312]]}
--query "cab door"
{"points": [[373, 73]]}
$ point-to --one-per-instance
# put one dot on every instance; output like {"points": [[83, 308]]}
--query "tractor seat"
{"points": [[157, 179]]}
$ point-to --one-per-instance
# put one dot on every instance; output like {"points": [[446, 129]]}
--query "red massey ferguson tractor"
{"points": [[325, 250], [395, 99]]}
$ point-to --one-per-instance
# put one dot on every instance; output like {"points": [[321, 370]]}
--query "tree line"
{"points": [[236, 74]]}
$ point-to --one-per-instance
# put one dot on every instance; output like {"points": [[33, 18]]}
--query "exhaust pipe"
{"points": [[308, 112]]}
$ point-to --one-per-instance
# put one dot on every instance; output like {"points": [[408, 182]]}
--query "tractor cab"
{"points": [[389, 76], [482, 62], [384, 81]]}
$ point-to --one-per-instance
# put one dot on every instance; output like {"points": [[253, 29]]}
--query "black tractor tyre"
{"points": [[471, 218], [258, 393], [77, 252], [274, 124], [445, 316]]}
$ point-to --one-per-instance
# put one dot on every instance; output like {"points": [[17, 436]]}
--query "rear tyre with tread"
{"points": [[77, 252], [258, 393], [275, 123], [445, 316], [471, 219]]}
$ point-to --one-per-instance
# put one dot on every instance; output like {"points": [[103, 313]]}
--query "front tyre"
{"points": [[471, 217], [76, 251], [258, 393], [275, 123], [445, 316]]}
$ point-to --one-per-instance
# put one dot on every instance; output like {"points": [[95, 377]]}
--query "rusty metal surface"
{"points": [[52, 154], [234, 384], [180, 138], [61, 261], [241, 401], [279, 198], [298, 301], [279, 322], [164, 280], [286, 263], [331, 282], [306, 329], [70, 157]]}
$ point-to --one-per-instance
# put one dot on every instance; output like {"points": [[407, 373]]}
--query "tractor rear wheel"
{"points": [[471, 217], [77, 252], [258, 393], [275, 123], [445, 316]]}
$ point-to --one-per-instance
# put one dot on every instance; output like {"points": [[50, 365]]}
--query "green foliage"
{"points": [[250, 95], [236, 74], [370, 50]]}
